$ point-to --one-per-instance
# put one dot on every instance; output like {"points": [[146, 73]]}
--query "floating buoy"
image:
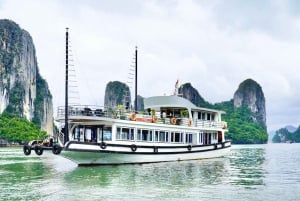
{"points": [[132, 117], [154, 119], [103, 145], [173, 121], [133, 147]]}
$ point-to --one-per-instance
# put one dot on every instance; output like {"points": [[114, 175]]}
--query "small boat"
{"points": [[170, 128]]}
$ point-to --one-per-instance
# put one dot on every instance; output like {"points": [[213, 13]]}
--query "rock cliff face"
{"points": [[189, 92], [140, 103], [250, 94], [23, 92], [116, 93]]}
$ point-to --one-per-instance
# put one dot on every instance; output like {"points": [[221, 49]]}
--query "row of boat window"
{"points": [[94, 134], [148, 135], [204, 116]]}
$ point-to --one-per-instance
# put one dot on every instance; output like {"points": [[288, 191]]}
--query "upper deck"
{"points": [[181, 116]]}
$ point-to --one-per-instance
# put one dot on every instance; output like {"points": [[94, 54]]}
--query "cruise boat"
{"points": [[170, 128]]}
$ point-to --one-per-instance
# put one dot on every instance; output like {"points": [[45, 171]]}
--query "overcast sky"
{"points": [[214, 45]]}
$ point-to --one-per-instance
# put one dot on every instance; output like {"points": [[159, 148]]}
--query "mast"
{"points": [[66, 134], [135, 98]]}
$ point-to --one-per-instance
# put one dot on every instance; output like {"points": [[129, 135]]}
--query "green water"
{"points": [[256, 172]]}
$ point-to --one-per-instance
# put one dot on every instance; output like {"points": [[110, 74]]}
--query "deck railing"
{"points": [[96, 111]]}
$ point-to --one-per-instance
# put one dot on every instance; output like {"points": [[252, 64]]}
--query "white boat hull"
{"points": [[93, 154]]}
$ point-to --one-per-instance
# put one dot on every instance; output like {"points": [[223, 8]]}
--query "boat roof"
{"points": [[174, 101]]}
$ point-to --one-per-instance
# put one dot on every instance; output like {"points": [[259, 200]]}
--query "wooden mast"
{"points": [[66, 131]]}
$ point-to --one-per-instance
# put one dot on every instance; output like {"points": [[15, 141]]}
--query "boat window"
{"points": [[124, 133], [150, 136], [207, 138], [201, 138], [156, 134], [131, 134], [144, 135], [88, 134], [191, 138], [77, 134], [203, 115], [215, 136], [167, 136], [162, 136], [176, 137], [208, 116], [106, 133], [212, 116], [139, 135]]}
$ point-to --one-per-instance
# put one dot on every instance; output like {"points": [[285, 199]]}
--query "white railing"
{"points": [[96, 111]]}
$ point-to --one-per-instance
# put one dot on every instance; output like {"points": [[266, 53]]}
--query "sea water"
{"points": [[249, 172]]}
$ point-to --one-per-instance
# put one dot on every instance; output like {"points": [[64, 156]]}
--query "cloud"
{"points": [[214, 45]]}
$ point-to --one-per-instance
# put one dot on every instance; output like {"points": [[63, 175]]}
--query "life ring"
{"points": [[133, 147], [27, 150], [38, 150], [173, 121], [103, 145], [155, 149], [190, 122], [56, 149], [154, 119], [216, 146], [189, 147], [132, 117]]}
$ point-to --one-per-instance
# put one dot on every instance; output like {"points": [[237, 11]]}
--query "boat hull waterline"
{"points": [[94, 154]]}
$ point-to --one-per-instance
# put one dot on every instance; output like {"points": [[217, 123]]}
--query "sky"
{"points": [[212, 44]]}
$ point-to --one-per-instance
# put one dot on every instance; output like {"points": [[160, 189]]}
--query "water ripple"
{"points": [[257, 172]]}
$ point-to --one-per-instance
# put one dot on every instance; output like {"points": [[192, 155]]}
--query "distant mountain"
{"points": [[291, 128], [250, 94], [117, 93], [271, 135], [246, 118], [287, 134], [23, 91], [189, 92]]}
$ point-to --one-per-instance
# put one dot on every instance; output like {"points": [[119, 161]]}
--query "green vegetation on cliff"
{"points": [[284, 135], [42, 92], [244, 127], [116, 93], [241, 127], [16, 129]]}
